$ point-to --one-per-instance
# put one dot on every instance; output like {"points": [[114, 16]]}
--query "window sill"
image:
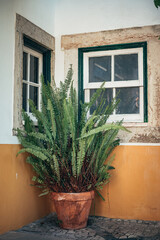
{"points": [[35, 123], [135, 124]]}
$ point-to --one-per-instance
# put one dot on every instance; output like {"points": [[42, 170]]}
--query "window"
{"points": [[36, 61], [34, 49], [32, 70], [123, 69]]}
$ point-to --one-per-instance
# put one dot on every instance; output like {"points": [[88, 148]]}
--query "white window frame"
{"points": [[116, 84], [29, 51]]}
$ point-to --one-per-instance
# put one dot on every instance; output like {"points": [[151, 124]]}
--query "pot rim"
{"points": [[82, 196]]}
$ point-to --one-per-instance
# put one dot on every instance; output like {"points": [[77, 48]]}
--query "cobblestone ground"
{"points": [[99, 228]]}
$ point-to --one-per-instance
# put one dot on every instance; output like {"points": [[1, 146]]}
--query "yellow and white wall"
{"points": [[19, 202], [134, 191]]}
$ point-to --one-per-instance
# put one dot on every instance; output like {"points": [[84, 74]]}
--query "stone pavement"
{"points": [[99, 228]]}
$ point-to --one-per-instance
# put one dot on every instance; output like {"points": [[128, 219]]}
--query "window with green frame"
{"points": [[123, 68], [36, 61], [29, 43]]}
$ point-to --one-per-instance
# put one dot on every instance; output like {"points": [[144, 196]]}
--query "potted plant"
{"points": [[68, 151]]}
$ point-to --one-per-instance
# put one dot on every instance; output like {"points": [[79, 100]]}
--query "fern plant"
{"points": [[67, 150]]}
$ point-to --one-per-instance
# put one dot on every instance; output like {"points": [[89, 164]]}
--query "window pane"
{"points": [[126, 67], [129, 100], [33, 94], [33, 69], [25, 65], [24, 97], [107, 95], [100, 69]]}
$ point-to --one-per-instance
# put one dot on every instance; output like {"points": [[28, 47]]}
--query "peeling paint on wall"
{"points": [[152, 136]]}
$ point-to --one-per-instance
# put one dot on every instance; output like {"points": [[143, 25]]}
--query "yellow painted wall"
{"points": [[19, 202], [133, 192], [134, 188]]}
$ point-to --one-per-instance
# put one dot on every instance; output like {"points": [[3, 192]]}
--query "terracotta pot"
{"points": [[73, 208]]}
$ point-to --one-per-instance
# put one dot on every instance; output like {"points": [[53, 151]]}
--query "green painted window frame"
{"points": [[81, 51], [46, 56]]}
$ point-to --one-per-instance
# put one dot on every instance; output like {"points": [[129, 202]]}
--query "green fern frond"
{"points": [[56, 167], [103, 128], [81, 155], [52, 115], [39, 136], [34, 152]]}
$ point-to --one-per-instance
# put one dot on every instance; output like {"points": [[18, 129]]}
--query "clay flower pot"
{"points": [[73, 208]]}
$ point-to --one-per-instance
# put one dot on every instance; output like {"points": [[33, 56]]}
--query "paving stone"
{"points": [[126, 223], [132, 236], [99, 238], [123, 237], [91, 232], [84, 234], [133, 221], [119, 220], [52, 230], [66, 236], [71, 232]]}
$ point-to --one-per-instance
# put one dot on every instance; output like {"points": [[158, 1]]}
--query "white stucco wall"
{"points": [[80, 16], [39, 12]]}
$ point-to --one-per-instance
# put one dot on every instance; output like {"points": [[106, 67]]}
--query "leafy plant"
{"points": [[68, 153], [157, 3]]}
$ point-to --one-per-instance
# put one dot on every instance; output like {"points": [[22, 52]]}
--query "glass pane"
{"points": [[25, 65], [107, 95], [33, 94], [100, 69], [129, 100], [24, 97], [126, 67], [34, 69]]}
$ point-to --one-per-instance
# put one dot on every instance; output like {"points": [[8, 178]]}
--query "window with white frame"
{"points": [[32, 70], [122, 70]]}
